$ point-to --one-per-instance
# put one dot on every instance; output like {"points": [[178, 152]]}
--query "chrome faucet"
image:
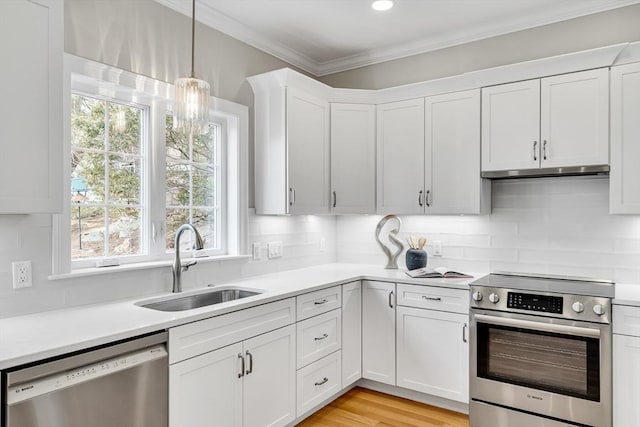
{"points": [[177, 267]]}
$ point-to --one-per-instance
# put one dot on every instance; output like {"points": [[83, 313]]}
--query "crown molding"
{"points": [[225, 24]]}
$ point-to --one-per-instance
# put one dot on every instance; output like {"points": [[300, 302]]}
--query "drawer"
{"points": [[626, 320], [206, 335], [318, 382], [319, 302], [318, 337], [433, 297]]}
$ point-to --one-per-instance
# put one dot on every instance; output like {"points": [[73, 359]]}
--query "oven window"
{"points": [[552, 362]]}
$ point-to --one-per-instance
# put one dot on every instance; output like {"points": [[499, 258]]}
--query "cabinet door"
{"points": [[511, 126], [270, 380], [624, 179], [351, 333], [400, 161], [353, 158], [433, 352], [379, 331], [452, 145], [307, 153], [626, 381], [206, 391], [31, 88], [574, 124]]}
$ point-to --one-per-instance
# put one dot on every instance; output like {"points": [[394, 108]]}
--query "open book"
{"points": [[438, 272]]}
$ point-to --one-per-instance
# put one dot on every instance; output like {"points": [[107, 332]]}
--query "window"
{"points": [[132, 180]]}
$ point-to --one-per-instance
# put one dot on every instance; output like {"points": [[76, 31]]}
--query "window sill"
{"points": [[94, 271]]}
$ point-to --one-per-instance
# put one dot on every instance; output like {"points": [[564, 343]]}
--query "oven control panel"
{"points": [[548, 304], [533, 302]]}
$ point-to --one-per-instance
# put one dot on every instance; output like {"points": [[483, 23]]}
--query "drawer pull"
{"points": [[323, 337], [324, 380], [431, 298], [324, 301]]}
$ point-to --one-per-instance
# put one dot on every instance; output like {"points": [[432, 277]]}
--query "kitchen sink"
{"points": [[181, 303]]}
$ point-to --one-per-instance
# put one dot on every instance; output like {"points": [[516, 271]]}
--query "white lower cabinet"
{"points": [[351, 333], [379, 332], [433, 352], [250, 384], [626, 366]]}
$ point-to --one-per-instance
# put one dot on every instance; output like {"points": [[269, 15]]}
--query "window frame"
{"points": [[97, 80]]}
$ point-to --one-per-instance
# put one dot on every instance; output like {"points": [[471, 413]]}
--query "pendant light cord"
{"points": [[193, 39]]}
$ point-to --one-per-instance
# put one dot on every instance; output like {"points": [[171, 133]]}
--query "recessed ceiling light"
{"points": [[381, 5]]}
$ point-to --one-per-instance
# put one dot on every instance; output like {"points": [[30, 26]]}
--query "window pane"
{"points": [[175, 218], [204, 147], [124, 180], [178, 184], [124, 231], [204, 183], [177, 143], [205, 221], [87, 177], [87, 232], [87, 122], [124, 129]]}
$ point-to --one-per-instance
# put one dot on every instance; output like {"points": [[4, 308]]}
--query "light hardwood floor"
{"points": [[362, 407]]}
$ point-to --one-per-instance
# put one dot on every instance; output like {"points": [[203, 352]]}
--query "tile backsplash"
{"points": [[542, 225], [545, 225]]}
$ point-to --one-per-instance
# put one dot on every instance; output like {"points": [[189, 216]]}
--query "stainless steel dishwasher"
{"points": [[123, 385]]}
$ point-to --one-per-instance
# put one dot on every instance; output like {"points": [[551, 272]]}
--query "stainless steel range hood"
{"points": [[542, 172]]}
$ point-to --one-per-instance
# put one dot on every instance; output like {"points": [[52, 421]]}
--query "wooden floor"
{"points": [[362, 407]]}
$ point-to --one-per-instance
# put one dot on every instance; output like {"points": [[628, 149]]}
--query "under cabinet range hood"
{"points": [[546, 172]]}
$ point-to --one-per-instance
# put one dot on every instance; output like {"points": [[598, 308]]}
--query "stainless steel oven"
{"points": [[540, 352]]}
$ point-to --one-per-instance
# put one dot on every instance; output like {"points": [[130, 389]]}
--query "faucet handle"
{"points": [[186, 266]]}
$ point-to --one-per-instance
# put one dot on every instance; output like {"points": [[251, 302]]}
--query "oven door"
{"points": [[560, 369]]}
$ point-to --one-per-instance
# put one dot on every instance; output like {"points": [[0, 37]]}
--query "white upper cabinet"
{"points": [[400, 172], [559, 121], [307, 153], [511, 126], [452, 155], [31, 87], [625, 140], [574, 119], [291, 144], [353, 158]]}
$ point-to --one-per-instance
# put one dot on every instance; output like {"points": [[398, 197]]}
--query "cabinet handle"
{"points": [[335, 199], [544, 150], [420, 198], [391, 299], [241, 374], [324, 301], [250, 356], [323, 337], [464, 333], [292, 196], [426, 198], [324, 380], [431, 298], [535, 151]]}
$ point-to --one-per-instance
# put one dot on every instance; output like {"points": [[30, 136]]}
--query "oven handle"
{"points": [[538, 326]]}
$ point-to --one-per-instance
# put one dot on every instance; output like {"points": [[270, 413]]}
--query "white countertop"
{"points": [[26, 339], [627, 294]]}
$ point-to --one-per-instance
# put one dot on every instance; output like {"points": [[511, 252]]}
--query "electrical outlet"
{"points": [[274, 250], [21, 274], [437, 248], [323, 244], [256, 251]]}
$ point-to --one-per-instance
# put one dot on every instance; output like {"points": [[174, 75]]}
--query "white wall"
{"points": [[28, 237], [542, 225]]}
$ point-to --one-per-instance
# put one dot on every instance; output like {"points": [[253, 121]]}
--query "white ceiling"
{"points": [[328, 36]]}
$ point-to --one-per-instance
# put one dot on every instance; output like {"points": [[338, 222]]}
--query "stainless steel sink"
{"points": [[189, 302]]}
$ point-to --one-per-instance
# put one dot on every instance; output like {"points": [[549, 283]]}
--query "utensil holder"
{"points": [[416, 258]]}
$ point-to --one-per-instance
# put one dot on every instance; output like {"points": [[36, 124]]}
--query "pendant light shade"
{"points": [[191, 103]]}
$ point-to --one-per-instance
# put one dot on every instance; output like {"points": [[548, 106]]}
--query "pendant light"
{"points": [[191, 106]]}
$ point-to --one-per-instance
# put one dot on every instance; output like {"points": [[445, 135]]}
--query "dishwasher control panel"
{"points": [[28, 390]]}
